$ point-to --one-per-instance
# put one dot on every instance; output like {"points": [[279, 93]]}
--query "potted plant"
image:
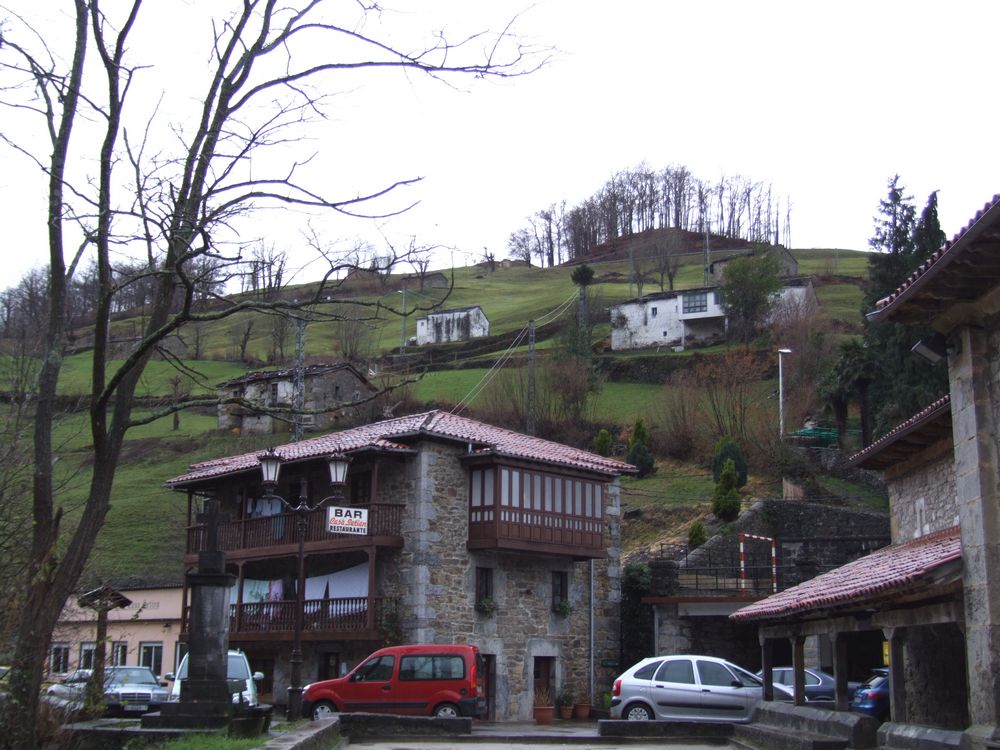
{"points": [[581, 710], [564, 700], [543, 708], [563, 608], [486, 606]]}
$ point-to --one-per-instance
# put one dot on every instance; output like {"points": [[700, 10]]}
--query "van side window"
{"points": [[445, 667], [376, 670]]}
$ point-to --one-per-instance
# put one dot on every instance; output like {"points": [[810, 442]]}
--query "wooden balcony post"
{"points": [[370, 621]]}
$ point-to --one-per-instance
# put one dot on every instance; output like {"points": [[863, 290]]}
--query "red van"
{"points": [[418, 680]]}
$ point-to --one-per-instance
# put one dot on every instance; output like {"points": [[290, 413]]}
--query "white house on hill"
{"points": [[691, 316], [456, 324]]}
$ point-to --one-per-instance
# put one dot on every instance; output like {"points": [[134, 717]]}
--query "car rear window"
{"points": [[646, 672], [432, 667]]}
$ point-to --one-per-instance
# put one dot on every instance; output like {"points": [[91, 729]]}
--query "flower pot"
{"points": [[581, 711], [543, 714], [565, 712]]}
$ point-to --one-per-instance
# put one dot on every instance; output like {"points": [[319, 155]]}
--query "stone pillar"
{"points": [[897, 675], [841, 694], [798, 669], [206, 700], [975, 430], [767, 666]]}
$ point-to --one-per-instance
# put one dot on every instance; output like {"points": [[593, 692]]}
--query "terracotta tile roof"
{"points": [[923, 428], [965, 240], [394, 435], [897, 569]]}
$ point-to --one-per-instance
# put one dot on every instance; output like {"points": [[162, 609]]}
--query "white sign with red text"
{"points": [[347, 520]]}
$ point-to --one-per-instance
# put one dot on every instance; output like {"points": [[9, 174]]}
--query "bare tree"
{"points": [[667, 256], [170, 203]]}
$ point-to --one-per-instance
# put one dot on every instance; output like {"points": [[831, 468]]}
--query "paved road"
{"points": [[549, 745]]}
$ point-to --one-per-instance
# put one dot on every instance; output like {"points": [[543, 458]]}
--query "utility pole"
{"points": [[708, 257], [402, 325], [299, 378], [529, 426]]}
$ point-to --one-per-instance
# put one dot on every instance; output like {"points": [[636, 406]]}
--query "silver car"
{"points": [[687, 688]]}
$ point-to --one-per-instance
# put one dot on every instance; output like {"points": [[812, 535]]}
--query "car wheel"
{"points": [[638, 712], [323, 710], [447, 711]]}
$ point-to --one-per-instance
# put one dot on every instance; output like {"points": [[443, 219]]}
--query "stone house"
{"points": [[935, 593], [334, 395], [691, 316], [474, 534], [455, 324]]}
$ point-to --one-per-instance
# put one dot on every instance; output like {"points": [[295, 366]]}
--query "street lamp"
{"points": [[270, 469], [781, 393]]}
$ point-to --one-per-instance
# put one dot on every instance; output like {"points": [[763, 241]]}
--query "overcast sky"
{"points": [[823, 101]]}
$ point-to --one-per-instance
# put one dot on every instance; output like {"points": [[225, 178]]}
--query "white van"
{"points": [[238, 674]]}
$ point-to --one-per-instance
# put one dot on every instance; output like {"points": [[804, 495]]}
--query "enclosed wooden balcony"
{"points": [[276, 534], [538, 532]]}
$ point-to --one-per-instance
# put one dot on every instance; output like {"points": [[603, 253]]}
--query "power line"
{"points": [[492, 372]]}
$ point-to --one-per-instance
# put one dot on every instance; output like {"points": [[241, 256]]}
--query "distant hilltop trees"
{"points": [[640, 199]]}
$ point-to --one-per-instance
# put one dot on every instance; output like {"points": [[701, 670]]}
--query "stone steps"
{"points": [[781, 738]]}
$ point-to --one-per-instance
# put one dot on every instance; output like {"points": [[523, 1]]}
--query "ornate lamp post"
{"points": [[270, 468]]}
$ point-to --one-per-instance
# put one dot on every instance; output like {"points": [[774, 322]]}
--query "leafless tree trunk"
{"points": [[168, 202]]}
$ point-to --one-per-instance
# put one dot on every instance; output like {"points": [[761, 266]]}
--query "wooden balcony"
{"points": [[506, 528], [277, 534], [323, 619]]}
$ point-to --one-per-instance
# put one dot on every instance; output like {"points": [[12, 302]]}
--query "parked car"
{"points": [[687, 688], [872, 697], [242, 681], [820, 686], [419, 679], [128, 691]]}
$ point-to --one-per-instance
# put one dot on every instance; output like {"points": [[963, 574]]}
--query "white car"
{"points": [[238, 674], [688, 688]]}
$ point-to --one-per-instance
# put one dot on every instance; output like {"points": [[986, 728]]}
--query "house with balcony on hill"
{"points": [[692, 316], [474, 534]]}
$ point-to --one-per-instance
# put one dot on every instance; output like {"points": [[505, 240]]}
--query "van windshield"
{"points": [[236, 668]]}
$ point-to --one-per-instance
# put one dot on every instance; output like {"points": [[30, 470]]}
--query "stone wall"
{"points": [[436, 579], [922, 493]]}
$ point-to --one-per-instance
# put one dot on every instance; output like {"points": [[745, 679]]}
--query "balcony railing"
{"points": [[552, 532], [384, 519], [327, 616]]}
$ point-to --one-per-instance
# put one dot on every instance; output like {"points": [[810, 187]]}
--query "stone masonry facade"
{"points": [[434, 578]]}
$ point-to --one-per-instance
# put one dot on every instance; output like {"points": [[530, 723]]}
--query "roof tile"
{"points": [[893, 568], [392, 434]]}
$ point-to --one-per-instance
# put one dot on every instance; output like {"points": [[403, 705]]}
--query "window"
{"points": [[484, 584], [419, 667], [119, 654], [560, 590], [652, 312], [695, 303], [180, 651], [378, 669], [646, 672], [272, 394], [87, 651], [677, 670], [151, 655], [714, 674], [59, 657]]}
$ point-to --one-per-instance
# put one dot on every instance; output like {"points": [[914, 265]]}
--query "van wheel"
{"points": [[323, 710], [447, 711], [638, 712]]}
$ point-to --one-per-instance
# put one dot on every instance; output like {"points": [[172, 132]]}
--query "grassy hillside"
{"points": [[144, 531]]}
